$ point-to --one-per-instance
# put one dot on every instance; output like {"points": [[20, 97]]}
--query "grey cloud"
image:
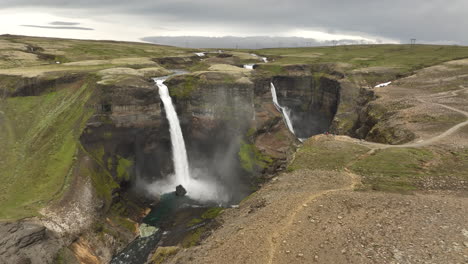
{"points": [[50, 27], [429, 20], [63, 23], [241, 43]]}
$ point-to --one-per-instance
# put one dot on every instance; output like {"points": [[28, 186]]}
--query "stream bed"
{"points": [[175, 219]]}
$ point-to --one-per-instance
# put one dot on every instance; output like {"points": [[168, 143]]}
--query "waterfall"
{"points": [[249, 66], [283, 110], [179, 153], [200, 186], [264, 59]]}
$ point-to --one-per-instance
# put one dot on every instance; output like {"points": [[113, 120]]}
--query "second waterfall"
{"points": [[283, 110]]}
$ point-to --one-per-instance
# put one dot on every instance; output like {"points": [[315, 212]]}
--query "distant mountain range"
{"points": [[259, 42]]}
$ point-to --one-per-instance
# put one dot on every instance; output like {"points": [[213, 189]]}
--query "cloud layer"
{"points": [[425, 20], [61, 27]]}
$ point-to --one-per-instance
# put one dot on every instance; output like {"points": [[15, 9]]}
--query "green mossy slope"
{"points": [[39, 140]]}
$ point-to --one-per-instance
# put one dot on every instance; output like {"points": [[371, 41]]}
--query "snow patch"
{"points": [[383, 84]]}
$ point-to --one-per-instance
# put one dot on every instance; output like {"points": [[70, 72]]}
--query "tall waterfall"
{"points": [[179, 153], [283, 110], [200, 186]]}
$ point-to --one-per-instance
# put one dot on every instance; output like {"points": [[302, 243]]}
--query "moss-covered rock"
{"points": [[251, 159], [40, 143], [163, 253]]}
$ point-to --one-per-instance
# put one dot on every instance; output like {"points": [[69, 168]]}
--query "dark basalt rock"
{"points": [[180, 191], [25, 242]]}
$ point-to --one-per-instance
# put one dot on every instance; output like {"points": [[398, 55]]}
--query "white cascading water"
{"points": [[264, 59], [283, 110], [198, 188], [179, 152], [249, 66]]}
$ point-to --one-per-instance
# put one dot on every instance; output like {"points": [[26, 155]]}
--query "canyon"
{"points": [[94, 130]]}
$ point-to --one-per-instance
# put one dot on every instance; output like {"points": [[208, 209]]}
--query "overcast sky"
{"points": [[429, 21]]}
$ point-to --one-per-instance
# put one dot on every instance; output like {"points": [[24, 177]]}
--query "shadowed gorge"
{"points": [[313, 102]]}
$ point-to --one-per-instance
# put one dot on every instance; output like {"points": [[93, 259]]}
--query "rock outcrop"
{"points": [[13, 86], [25, 242]]}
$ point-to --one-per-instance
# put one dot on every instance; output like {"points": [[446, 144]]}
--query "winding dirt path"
{"points": [[275, 237], [430, 141]]}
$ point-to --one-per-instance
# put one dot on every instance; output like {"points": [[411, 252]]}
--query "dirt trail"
{"points": [[275, 237], [427, 142], [252, 232]]}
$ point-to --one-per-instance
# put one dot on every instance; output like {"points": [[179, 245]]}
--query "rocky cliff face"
{"points": [[27, 242], [15, 86], [361, 117], [312, 100], [215, 116], [129, 125]]}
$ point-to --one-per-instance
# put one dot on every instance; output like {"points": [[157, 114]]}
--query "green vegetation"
{"points": [[369, 63], [200, 66], [394, 169], [100, 175], [194, 221], [272, 69], [193, 238], [9, 83], [252, 159], [65, 256], [67, 50], [123, 166], [185, 89], [402, 57], [125, 223], [251, 132], [209, 214], [212, 213], [452, 164], [163, 253], [102, 181], [39, 140], [326, 154]]}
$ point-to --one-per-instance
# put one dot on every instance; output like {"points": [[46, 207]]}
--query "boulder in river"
{"points": [[147, 230], [180, 191]]}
